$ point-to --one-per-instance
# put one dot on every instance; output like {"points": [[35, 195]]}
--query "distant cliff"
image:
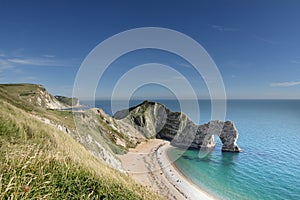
{"points": [[35, 95], [155, 120], [68, 101]]}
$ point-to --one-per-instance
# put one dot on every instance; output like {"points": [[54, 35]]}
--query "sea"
{"points": [[268, 166]]}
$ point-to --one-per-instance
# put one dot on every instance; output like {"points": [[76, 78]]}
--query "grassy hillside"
{"points": [[52, 163], [100, 130], [17, 94]]}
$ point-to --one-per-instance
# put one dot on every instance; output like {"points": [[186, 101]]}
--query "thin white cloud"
{"points": [[182, 64], [230, 29], [40, 62], [20, 61], [264, 39], [223, 28], [49, 56], [178, 78], [17, 58], [295, 61], [285, 84], [5, 65]]}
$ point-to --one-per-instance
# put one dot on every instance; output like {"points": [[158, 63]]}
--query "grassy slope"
{"points": [[14, 94], [53, 164]]}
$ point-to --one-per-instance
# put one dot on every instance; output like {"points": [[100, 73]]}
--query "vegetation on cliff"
{"points": [[39, 161], [68, 101]]}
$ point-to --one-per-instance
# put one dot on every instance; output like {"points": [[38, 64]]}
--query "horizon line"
{"points": [[152, 99]]}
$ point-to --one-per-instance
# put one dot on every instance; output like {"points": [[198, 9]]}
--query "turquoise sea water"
{"points": [[268, 167]]}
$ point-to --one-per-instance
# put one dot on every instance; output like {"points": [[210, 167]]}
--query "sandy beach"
{"points": [[149, 165]]}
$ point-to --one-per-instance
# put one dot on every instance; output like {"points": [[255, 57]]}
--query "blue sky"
{"points": [[255, 44]]}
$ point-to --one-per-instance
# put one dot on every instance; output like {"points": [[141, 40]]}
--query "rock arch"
{"points": [[155, 120]]}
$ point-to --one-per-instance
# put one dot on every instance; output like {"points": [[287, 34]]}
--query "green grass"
{"points": [[62, 116], [17, 95], [53, 177], [11, 94], [53, 164]]}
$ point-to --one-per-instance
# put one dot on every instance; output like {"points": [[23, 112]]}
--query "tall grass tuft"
{"points": [[52, 176]]}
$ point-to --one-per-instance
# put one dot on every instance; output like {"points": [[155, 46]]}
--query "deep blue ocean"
{"points": [[268, 167]]}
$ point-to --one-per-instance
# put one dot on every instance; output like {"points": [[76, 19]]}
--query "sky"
{"points": [[254, 43]]}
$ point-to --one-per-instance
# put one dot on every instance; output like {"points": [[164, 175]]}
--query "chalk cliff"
{"points": [[35, 96]]}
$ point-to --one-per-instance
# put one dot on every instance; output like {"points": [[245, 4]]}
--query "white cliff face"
{"points": [[155, 120], [43, 99], [39, 96], [50, 102]]}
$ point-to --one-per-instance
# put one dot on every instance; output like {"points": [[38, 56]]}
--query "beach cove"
{"points": [[149, 165], [265, 168]]}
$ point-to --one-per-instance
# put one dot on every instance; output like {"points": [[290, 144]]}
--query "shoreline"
{"points": [[174, 174], [149, 165]]}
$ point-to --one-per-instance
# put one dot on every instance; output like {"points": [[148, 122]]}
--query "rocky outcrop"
{"points": [[148, 118], [67, 101], [229, 136], [155, 120], [36, 95], [89, 133], [103, 136], [43, 98]]}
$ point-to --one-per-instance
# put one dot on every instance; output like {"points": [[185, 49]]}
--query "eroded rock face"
{"points": [[229, 136], [148, 118], [155, 120]]}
